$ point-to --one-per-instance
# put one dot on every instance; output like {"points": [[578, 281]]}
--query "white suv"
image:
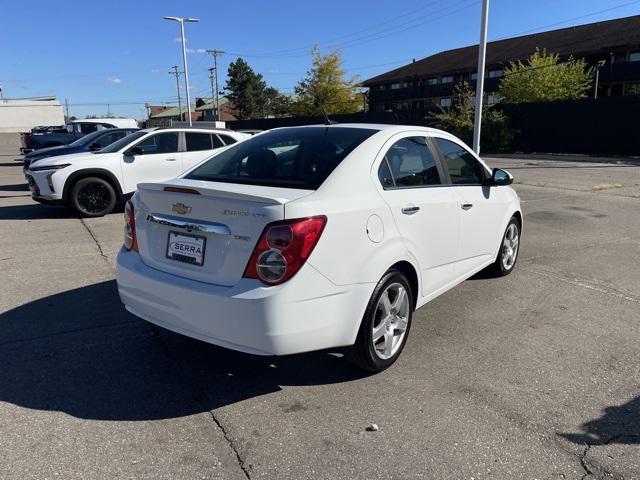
{"points": [[92, 183]]}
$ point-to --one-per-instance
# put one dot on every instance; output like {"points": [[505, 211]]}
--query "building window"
{"points": [[446, 79], [445, 102], [634, 56], [406, 84], [380, 87], [492, 98], [395, 86], [432, 81], [620, 57], [632, 88], [474, 76], [496, 73]]}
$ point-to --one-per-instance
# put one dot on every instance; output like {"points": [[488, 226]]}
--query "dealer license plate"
{"points": [[186, 248]]}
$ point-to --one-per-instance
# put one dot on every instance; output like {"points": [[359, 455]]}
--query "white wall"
{"points": [[23, 115]]}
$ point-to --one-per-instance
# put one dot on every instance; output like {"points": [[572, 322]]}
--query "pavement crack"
{"points": [[583, 462], [95, 240], [585, 283], [185, 377]]}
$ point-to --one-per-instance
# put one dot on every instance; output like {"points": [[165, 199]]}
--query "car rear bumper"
{"points": [[304, 314]]}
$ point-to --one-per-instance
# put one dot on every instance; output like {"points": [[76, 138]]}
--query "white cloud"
{"points": [[155, 70], [189, 50], [179, 40], [112, 81], [201, 50]]}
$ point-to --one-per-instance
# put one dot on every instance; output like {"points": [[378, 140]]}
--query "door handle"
{"points": [[170, 159], [410, 210], [466, 206]]}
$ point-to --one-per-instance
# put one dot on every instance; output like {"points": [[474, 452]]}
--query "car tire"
{"points": [[92, 197], [509, 250], [385, 325]]}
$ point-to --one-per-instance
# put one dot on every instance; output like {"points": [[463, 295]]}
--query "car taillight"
{"points": [[283, 248], [130, 241]]}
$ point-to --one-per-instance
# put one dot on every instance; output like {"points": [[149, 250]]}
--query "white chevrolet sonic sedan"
{"points": [[316, 237]]}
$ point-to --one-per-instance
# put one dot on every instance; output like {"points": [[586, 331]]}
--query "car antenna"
{"points": [[327, 120]]}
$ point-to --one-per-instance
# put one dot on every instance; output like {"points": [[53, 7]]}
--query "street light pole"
{"points": [[482, 51], [181, 21], [595, 88]]}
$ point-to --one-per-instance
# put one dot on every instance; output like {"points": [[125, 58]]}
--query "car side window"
{"points": [[109, 138], [166, 142], [227, 139], [198, 141], [409, 163], [215, 140], [463, 167], [87, 127]]}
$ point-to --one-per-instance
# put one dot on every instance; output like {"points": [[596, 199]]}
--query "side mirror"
{"points": [[95, 146], [133, 151], [501, 177]]}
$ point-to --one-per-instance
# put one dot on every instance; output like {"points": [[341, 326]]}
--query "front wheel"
{"points": [[509, 249], [92, 197], [385, 325]]}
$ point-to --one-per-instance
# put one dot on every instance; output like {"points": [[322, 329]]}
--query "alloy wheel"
{"points": [[510, 247], [392, 319]]}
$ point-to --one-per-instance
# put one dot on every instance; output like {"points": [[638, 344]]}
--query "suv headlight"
{"points": [[50, 167]]}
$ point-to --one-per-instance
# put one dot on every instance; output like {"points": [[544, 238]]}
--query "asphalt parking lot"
{"points": [[532, 376]]}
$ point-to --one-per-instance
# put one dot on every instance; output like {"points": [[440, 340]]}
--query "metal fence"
{"points": [[603, 126]]}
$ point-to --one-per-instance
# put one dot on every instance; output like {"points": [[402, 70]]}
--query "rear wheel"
{"points": [[92, 197], [385, 325]]}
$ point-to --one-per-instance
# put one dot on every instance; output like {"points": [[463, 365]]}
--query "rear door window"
{"points": [[87, 127], [411, 163], [198, 141], [463, 167], [289, 157], [166, 142]]}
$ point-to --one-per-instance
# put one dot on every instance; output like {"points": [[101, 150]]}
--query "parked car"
{"points": [[92, 183], [75, 129], [309, 238], [88, 143]]}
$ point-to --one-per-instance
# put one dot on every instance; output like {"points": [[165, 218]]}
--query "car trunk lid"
{"points": [[183, 223]]}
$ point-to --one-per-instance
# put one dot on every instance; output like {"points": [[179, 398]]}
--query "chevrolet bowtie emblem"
{"points": [[181, 208]]}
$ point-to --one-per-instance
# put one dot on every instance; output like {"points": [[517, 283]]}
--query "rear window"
{"points": [[289, 158]]}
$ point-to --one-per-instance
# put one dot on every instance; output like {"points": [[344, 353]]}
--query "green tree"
{"points": [[246, 90], [496, 134], [277, 104], [325, 86], [544, 78]]}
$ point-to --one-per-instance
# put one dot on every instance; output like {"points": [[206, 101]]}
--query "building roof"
{"points": [[170, 112], [211, 104], [599, 37]]}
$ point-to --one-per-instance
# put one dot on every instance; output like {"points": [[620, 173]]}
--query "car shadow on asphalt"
{"points": [[34, 211], [618, 424], [80, 352], [18, 187]]}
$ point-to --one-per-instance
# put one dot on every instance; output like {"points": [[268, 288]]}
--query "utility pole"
{"points": [[215, 54], [482, 51], [66, 107], [181, 21], [213, 90], [177, 74]]}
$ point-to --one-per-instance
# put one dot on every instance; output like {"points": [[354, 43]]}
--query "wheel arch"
{"points": [[409, 271], [92, 172]]}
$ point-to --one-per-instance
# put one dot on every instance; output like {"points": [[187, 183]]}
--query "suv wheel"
{"points": [[92, 197], [385, 325]]}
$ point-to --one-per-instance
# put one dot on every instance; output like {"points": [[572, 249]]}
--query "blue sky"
{"points": [[120, 52]]}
